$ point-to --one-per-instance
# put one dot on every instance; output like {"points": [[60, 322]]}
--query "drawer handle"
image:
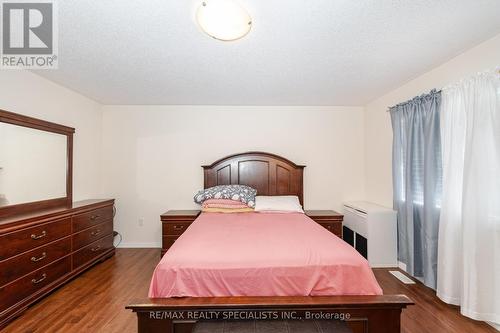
{"points": [[95, 217], [178, 227], [35, 281], [43, 234], [95, 249], [95, 233], [35, 259]]}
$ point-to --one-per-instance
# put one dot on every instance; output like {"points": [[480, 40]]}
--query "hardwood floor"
{"points": [[94, 302], [429, 314]]}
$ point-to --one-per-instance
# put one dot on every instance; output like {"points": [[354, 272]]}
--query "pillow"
{"points": [[279, 203], [227, 210], [223, 203], [242, 193]]}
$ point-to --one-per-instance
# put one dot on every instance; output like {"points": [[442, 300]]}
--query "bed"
{"points": [[274, 263], [261, 254]]}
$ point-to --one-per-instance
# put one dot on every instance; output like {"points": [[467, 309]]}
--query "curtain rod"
{"points": [[389, 108], [437, 91]]}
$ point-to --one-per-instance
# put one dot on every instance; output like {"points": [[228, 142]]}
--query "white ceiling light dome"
{"points": [[223, 19]]}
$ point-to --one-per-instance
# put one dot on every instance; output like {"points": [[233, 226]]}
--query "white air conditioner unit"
{"points": [[372, 230]]}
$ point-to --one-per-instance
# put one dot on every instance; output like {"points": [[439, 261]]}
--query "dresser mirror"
{"points": [[35, 164]]}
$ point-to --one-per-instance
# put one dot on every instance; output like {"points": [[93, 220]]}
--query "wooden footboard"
{"points": [[363, 314]]}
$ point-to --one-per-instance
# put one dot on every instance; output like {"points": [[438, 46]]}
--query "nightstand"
{"points": [[329, 219], [174, 223]]}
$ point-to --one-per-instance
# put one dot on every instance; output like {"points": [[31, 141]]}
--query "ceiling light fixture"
{"points": [[224, 20]]}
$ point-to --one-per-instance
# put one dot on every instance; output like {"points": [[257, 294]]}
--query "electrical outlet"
{"points": [[141, 222]]}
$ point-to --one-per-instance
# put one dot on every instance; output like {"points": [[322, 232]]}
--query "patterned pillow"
{"points": [[242, 193]]}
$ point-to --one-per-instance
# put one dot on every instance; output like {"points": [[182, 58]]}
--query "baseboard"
{"points": [[140, 245], [402, 266], [393, 265]]}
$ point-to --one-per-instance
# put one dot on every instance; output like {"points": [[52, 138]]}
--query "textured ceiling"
{"points": [[315, 52]]}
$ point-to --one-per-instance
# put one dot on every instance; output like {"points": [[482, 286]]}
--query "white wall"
{"points": [[152, 155], [378, 131], [29, 94]]}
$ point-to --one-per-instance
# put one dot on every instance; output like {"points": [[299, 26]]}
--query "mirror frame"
{"points": [[42, 125]]}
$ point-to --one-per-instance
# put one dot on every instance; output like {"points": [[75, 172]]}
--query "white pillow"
{"points": [[278, 203]]}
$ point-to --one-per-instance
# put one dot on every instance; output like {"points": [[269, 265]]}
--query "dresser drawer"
{"points": [[92, 234], [335, 228], [92, 251], [27, 239], [175, 228], [168, 241], [92, 218], [15, 267], [16, 291]]}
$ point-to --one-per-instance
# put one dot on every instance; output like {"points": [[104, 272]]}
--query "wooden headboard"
{"points": [[269, 174]]}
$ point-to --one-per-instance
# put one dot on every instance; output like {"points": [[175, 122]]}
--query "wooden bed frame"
{"points": [[270, 175]]}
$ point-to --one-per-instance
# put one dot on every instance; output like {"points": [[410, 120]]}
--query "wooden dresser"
{"points": [[329, 219], [174, 223], [39, 251]]}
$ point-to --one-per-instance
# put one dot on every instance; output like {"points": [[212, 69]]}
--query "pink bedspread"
{"points": [[260, 254]]}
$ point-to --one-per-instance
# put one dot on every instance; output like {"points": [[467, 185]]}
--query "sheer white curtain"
{"points": [[469, 232]]}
